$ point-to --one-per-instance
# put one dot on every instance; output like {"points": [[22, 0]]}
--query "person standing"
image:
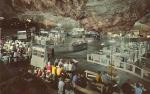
{"points": [[54, 68], [74, 67], [61, 85], [74, 79], [75, 64], [59, 70], [39, 73], [29, 52], [70, 65], [15, 56], [138, 88], [1, 55], [48, 67], [126, 87], [66, 66], [60, 63], [56, 61]]}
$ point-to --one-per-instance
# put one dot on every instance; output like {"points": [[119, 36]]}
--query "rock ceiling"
{"points": [[98, 15]]}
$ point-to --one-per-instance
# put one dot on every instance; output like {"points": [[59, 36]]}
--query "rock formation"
{"points": [[98, 15]]}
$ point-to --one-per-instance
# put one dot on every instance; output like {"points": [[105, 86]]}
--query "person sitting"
{"points": [[82, 81], [98, 77], [106, 81], [105, 78]]}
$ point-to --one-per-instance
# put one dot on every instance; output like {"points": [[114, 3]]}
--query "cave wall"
{"points": [[98, 15], [6, 8]]}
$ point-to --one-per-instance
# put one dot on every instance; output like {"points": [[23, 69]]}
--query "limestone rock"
{"points": [[98, 15]]}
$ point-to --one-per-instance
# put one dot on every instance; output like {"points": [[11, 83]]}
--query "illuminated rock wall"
{"points": [[106, 15]]}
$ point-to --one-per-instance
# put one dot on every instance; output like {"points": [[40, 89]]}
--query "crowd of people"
{"points": [[62, 73], [112, 85], [129, 88], [51, 38], [106, 83], [13, 51], [65, 77]]}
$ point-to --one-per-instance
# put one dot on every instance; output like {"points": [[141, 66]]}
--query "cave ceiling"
{"points": [[97, 15]]}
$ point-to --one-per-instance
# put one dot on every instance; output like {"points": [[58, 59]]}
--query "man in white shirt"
{"points": [[66, 66], [60, 63], [61, 85], [56, 61], [70, 65]]}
